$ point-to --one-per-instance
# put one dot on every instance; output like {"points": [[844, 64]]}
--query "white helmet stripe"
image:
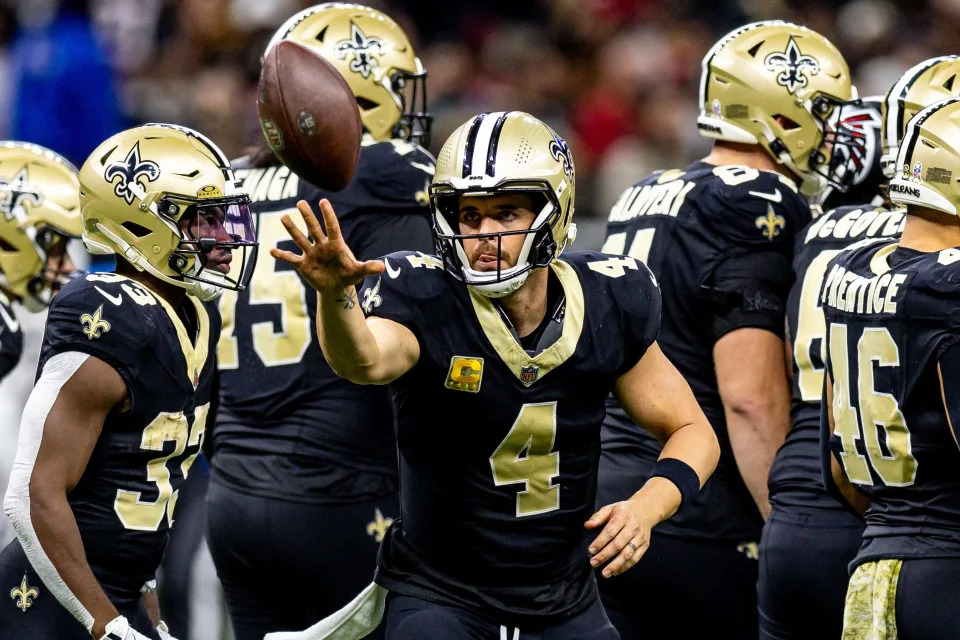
{"points": [[482, 145], [894, 122]]}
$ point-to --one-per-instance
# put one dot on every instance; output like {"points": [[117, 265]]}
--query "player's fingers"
{"points": [[309, 219], [286, 256], [330, 220], [372, 267], [294, 232], [614, 525], [599, 517], [627, 557], [613, 547]]}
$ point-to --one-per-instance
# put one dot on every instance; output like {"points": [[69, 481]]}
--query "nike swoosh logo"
{"points": [[393, 273], [9, 320], [428, 168], [776, 196], [116, 299]]}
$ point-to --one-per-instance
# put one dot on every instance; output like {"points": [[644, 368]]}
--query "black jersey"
{"points": [[498, 449], [288, 427], [719, 240], [124, 502], [11, 337], [796, 478], [890, 314]]}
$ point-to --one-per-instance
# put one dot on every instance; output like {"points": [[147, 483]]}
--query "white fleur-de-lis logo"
{"points": [[126, 175], [363, 50], [793, 66], [15, 192], [371, 298]]}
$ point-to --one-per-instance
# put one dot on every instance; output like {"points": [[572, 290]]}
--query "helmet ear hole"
{"points": [[137, 230], [366, 104], [786, 123]]}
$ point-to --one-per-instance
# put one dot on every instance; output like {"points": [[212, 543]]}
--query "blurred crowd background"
{"points": [[617, 78]]}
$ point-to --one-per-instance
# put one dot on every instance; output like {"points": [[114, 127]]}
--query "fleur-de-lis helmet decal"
{"points": [[560, 150], [126, 175], [793, 66], [363, 49], [15, 192]]}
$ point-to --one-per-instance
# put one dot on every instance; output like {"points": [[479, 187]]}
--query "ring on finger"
{"points": [[632, 546]]}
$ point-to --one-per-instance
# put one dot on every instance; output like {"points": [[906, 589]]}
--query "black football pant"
{"points": [[928, 599], [284, 565], [685, 589], [804, 555], [409, 618], [33, 613]]}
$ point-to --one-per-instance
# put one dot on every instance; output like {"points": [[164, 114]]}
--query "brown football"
{"points": [[309, 115]]}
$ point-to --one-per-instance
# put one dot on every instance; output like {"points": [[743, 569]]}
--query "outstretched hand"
{"points": [[625, 538], [326, 262]]}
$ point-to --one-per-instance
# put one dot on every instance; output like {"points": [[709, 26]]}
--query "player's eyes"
{"points": [[469, 216]]}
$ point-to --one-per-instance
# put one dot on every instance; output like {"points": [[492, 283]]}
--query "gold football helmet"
{"points": [[781, 86], [497, 153], [929, 159], [375, 57], [922, 85], [39, 212], [138, 184]]}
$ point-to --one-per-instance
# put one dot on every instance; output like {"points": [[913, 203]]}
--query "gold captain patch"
{"points": [[24, 595], [94, 325], [465, 374]]}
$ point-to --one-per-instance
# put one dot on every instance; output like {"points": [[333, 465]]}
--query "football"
{"points": [[309, 115]]}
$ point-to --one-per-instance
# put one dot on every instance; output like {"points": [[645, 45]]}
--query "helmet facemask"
{"points": [[415, 122], [539, 247], [54, 248], [209, 230]]}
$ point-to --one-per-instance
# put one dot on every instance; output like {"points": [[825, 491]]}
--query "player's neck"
{"points": [[527, 305], [748, 155], [928, 230], [172, 294]]}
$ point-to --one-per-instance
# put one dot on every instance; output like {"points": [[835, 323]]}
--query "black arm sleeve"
{"points": [[748, 290]]}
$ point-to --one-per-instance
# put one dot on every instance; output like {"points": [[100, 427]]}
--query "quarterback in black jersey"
{"points": [[891, 405], [124, 388], [305, 462], [500, 353], [719, 236], [39, 214], [810, 538]]}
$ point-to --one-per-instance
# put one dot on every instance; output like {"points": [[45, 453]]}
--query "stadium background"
{"points": [[616, 78]]}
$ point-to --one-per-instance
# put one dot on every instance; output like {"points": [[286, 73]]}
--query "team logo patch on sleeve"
{"points": [[94, 325], [770, 224], [24, 595], [378, 527], [465, 374], [371, 298]]}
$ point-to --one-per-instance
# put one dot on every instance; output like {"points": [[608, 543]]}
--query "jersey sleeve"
{"points": [[397, 294], [638, 297], [758, 222], [397, 173], [98, 318]]}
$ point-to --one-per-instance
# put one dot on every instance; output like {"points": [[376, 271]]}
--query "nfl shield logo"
{"points": [[528, 375]]}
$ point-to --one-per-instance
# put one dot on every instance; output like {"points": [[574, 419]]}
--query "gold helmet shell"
{"points": [[929, 159], [377, 60], [39, 207], [135, 187], [920, 86], [779, 85], [497, 153]]}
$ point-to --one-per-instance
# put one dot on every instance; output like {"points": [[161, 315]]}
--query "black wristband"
{"points": [[681, 474]]}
